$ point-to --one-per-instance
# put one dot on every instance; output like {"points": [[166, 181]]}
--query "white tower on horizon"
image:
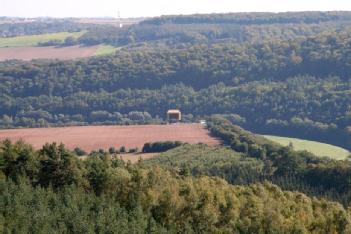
{"points": [[119, 21]]}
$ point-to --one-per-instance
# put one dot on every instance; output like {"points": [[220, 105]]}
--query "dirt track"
{"points": [[47, 52], [102, 137]]}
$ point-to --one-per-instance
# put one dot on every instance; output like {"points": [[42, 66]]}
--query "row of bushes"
{"points": [[112, 150], [157, 147]]}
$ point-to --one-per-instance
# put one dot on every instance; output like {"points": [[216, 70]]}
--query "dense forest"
{"points": [[254, 18], [301, 87], [180, 31], [103, 195]]}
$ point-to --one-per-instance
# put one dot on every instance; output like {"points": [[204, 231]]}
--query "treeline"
{"points": [[41, 27], [184, 35], [295, 170], [41, 118], [160, 146], [184, 31], [103, 195], [253, 18]]}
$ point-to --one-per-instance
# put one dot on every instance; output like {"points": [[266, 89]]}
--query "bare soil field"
{"points": [[91, 138], [48, 52]]}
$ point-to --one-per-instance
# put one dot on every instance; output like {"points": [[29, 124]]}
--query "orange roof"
{"points": [[173, 111]]}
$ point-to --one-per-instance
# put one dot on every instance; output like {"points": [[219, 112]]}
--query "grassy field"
{"points": [[317, 148], [105, 50], [33, 40]]}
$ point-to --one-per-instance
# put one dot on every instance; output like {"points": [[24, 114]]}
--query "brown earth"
{"points": [[91, 138], [47, 52]]}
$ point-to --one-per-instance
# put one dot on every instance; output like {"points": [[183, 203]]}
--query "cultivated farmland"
{"points": [[48, 52], [33, 40], [102, 137], [25, 48]]}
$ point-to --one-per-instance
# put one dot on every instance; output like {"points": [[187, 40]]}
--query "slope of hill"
{"points": [[290, 169], [317, 148], [299, 87], [278, 74], [109, 196]]}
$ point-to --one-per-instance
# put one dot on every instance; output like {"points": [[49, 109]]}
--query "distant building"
{"points": [[174, 115]]}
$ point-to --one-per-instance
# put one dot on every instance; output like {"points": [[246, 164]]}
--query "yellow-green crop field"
{"points": [[317, 148], [33, 40], [105, 50]]}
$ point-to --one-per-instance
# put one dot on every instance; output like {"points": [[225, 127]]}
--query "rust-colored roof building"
{"points": [[174, 115]]}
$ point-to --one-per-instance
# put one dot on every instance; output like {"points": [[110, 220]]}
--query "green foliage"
{"points": [[212, 161], [58, 167], [297, 170], [112, 150], [308, 100], [181, 31], [253, 18], [133, 150], [17, 160], [161, 146], [105, 50], [117, 198], [122, 149], [78, 151]]}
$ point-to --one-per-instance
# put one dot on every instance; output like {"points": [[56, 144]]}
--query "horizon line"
{"points": [[136, 17]]}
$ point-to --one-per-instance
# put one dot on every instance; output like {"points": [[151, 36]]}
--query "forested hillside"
{"points": [[104, 195], [180, 31], [286, 74], [300, 88], [250, 158]]}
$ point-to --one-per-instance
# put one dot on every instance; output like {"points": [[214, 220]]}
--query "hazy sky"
{"points": [[136, 8]]}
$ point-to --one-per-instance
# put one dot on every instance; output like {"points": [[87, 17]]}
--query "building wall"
{"points": [[174, 116]]}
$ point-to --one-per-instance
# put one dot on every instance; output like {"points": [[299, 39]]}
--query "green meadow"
{"points": [[33, 40], [317, 148], [105, 50]]}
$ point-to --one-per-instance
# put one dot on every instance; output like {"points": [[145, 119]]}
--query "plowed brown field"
{"points": [[47, 52], [102, 137]]}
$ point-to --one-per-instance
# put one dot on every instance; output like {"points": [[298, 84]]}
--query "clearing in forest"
{"points": [[317, 148]]}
